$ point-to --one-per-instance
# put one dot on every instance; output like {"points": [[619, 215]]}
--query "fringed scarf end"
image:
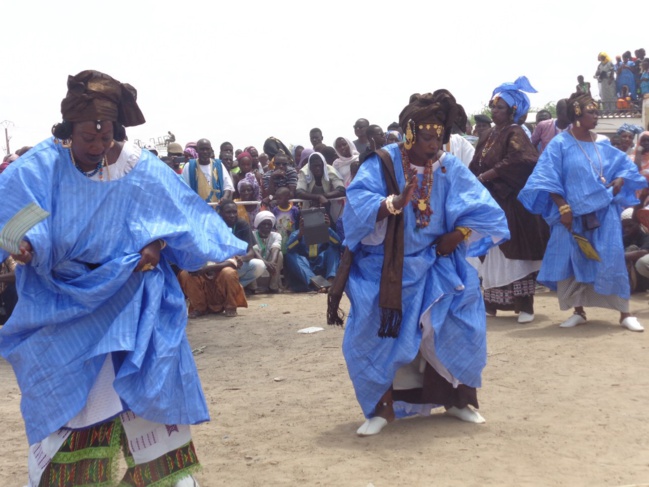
{"points": [[335, 315], [390, 323]]}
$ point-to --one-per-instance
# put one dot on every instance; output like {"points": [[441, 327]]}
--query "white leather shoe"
{"points": [[574, 320], [524, 317], [188, 481], [631, 323], [466, 414], [372, 426]]}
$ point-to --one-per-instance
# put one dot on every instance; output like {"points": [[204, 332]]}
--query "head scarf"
{"points": [[243, 154], [191, 152], [341, 164], [251, 180], [606, 57], [396, 133], [263, 216], [304, 157], [96, 96], [632, 129], [274, 146], [577, 103], [6, 161], [307, 168], [514, 96], [439, 107], [249, 149]]}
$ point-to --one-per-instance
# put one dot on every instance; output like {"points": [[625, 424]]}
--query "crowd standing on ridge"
{"points": [[428, 226]]}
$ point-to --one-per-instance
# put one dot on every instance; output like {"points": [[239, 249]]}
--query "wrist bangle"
{"points": [[466, 232], [390, 206], [563, 209]]}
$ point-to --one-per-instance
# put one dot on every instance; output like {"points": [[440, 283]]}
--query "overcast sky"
{"points": [[245, 70]]}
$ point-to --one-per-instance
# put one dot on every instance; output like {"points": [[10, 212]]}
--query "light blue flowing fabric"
{"points": [[448, 284], [79, 299], [564, 170]]}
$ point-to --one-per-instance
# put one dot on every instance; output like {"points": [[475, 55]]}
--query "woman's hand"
{"points": [[150, 257], [616, 184], [566, 220], [26, 253], [406, 195], [447, 243]]}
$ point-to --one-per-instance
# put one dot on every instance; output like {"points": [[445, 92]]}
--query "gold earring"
{"points": [[578, 123], [410, 135]]}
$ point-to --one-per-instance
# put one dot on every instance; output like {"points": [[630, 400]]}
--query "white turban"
{"points": [[264, 215]]}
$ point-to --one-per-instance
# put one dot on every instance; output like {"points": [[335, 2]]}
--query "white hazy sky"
{"points": [[245, 70]]}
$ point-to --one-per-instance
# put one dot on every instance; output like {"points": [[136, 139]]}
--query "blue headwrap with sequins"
{"points": [[633, 129], [513, 95]]}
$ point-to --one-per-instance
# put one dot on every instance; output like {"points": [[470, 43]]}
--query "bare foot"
{"points": [[196, 314]]}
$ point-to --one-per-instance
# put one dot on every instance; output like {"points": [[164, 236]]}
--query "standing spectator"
{"points": [[207, 176], [626, 77], [320, 183], [347, 153], [482, 125], [644, 78], [283, 175], [315, 136], [605, 76], [360, 129], [583, 86], [545, 131]]}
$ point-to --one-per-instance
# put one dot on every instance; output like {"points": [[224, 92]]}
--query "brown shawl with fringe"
{"points": [[391, 273]]}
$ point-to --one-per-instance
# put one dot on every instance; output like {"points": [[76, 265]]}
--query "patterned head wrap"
{"points": [[96, 96], [250, 180], [514, 96], [633, 129], [577, 103], [191, 152], [438, 108]]}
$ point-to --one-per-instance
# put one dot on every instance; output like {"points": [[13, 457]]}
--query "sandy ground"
{"points": [[563, 407]]}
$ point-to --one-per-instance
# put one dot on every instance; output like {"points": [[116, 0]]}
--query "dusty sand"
{"points": [[563, 407]]}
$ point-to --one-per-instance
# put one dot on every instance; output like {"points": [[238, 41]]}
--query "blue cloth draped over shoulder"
{"points": [[563, 169], [80, 300], [447, 284]]}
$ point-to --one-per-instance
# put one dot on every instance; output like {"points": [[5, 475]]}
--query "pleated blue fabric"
{"points": [[447, 284], [563, 169], [79, 299]]}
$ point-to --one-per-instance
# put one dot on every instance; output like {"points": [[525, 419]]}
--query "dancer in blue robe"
{"points": [[97, 339], [416, 332], [580, 186]]}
